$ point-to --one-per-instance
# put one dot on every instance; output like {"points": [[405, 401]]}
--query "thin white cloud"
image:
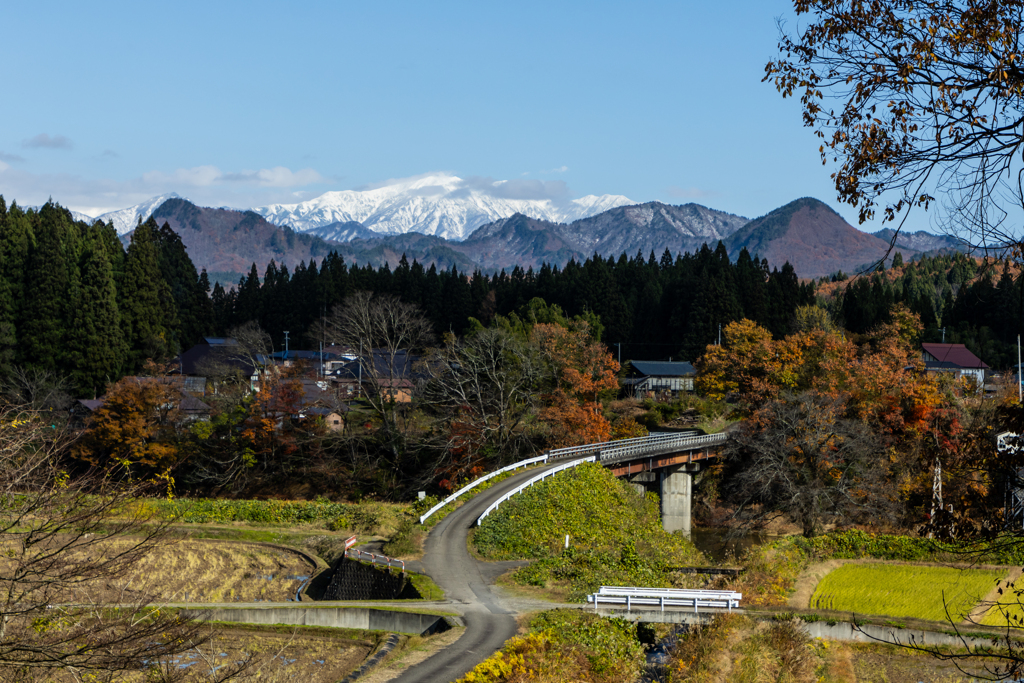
{"points": [[204, 185], [560, 169], [279, 176], [689, 193], [197, 176], [45, 141]]}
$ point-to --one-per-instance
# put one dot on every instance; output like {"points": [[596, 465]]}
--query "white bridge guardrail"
{"points": [[467, 487], [531, 482], [372, 558], [589, 448], [665, 597], [639, 447]]}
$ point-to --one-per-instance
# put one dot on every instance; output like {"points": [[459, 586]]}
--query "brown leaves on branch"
{"points": [[913, 101]]}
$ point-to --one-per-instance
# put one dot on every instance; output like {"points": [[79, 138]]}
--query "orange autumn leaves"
{"points": [[583, 368], [880, 381]]}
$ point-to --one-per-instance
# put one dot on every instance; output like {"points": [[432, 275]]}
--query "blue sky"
{"points": [[243, 104]]}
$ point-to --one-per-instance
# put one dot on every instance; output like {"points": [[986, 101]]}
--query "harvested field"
{"points": [[306, 655], [899, 590], [287, 656], [206, 571]]}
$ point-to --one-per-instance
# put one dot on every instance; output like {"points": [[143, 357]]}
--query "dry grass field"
{"points": [[315, 657], [207, 571]]}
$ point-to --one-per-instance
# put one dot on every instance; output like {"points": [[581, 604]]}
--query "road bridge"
{"points": [[667, 461]]}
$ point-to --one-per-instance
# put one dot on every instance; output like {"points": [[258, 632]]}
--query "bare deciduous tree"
{"points": [[387, 333], [64, 542], [484, 386], [802, 458]]}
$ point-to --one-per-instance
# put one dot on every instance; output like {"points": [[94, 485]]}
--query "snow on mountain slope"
{"points": [[437, 204], [125, 220]]}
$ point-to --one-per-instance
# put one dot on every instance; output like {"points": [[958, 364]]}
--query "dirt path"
{"points": [[979, 611]]}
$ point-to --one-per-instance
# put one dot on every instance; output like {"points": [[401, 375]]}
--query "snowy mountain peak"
{"points": [[438, 204], [125, 220]]}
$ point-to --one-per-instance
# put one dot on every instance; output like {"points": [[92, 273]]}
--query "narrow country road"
{"points": [[466, 582]]}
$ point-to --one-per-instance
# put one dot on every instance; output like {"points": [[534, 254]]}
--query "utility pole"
{"points": [[943, 335], [286, 344], [719, 334]]}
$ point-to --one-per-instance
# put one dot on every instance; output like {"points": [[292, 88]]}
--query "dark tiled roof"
{"points": [[653, 368], [954, 353]]}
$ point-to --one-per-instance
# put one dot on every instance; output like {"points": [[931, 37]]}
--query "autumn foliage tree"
{"points": [[134, 429], [582, 369], [918, 103]]}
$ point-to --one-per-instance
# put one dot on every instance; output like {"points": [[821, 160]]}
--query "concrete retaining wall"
{"points": [[842, 630], [869, 633], [335, 617]]}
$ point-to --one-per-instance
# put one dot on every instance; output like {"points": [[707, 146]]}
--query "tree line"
{"points": [[74, 302], [648, 307], [958, 300]]}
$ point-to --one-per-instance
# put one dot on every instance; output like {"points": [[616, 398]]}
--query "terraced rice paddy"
{"points": [[206, 571], [900, 590], [1008, 610]]}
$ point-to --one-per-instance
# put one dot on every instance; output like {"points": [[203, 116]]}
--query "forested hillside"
{"points": [[74, 303], [654, 308], [958, 298]]}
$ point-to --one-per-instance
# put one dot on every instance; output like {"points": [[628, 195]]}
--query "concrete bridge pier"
{"points": [[677, 496], [641, 481]]}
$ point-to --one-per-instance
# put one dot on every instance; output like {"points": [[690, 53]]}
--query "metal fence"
{"points": [[373, 558], [646, 446]]}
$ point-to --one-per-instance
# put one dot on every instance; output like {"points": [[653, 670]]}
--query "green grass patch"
{"points": [[1008, 611], [426, 587], [904, 590], [857, 544], [366, 518], [615, 534]]}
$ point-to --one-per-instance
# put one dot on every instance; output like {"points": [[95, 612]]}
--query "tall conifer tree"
{"points": [[51, 283], [97, 348], [145, 299]]}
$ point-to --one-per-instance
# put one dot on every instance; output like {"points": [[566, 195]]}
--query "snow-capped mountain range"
{"points": [[437, 204], [434, 204]]}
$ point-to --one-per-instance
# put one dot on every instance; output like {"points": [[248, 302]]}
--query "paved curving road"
{"points": [[467, 583]]}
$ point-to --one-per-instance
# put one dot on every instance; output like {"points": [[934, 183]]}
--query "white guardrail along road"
{"points": [[665, 597], [587, 449], [467, 487], [619, 450], [530, 482]]}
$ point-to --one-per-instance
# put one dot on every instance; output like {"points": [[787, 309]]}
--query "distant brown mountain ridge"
{"points": [[806, 232], [815, 239]]}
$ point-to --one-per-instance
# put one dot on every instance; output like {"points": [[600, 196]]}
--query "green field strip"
{"points": [[910, 591]]}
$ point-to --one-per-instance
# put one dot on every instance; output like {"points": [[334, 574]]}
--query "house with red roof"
{"points": [[954, 358]]}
